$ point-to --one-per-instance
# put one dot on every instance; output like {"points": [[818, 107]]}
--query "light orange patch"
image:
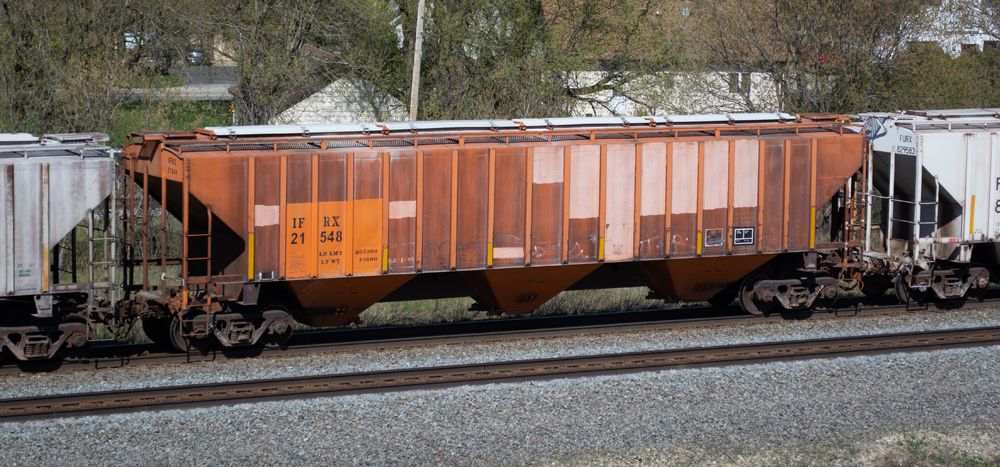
{"points": [[299, 236], [330, 233], [367, 246]]}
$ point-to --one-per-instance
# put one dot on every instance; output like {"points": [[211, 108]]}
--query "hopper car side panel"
{"points": [[509, 200], [31, 211], [652, 206], [43, 199], [6, 229], [472, 200], [746, 176], [584, 201]]}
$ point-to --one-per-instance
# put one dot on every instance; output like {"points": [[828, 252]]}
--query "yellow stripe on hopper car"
{"points": [[812, 227], [250, 258], [972, 214]]}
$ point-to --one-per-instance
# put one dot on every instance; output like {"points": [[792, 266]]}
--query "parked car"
{"points": [[158, 62], [195, 55]]}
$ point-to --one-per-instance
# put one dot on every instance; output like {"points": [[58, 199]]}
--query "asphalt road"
{"points": [[206, 75]]}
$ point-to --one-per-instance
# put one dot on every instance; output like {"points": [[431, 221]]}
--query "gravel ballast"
{"points": [[820, 411], [259, 368]]}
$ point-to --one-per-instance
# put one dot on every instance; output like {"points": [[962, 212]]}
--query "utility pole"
{"points": [[418, 50]]}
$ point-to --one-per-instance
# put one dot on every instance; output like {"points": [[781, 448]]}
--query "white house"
{"points": [[344, 101]]}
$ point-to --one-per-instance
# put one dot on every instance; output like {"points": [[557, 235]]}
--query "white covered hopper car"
{"points": [[934, 189], [56, 242]]}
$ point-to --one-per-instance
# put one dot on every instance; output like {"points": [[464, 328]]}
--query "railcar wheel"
{"points": [[157, 330], [906, 294], [828, 297], [978, 288], [280, 328], [77, 345], [192, 334], [748, 301]]}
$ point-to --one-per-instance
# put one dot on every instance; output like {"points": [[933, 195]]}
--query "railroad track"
{"points": [[207, 395], [479, 332]]}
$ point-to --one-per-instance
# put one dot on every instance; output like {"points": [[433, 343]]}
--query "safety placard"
{"points": [[743, 236]]}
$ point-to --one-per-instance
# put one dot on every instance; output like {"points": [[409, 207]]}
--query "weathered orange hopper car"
{"points": [[320, 222]]}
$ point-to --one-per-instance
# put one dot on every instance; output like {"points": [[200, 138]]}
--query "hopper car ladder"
{"points": [[108, 241], [194, 319], [100, 268], [138, 221]]}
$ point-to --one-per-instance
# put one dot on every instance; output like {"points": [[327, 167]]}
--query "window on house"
{"points": [[739, 83], [969, 48], [685, 12]]}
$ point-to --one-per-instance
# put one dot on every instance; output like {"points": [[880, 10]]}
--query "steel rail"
{"points": [[216, 394], [477, 332]]}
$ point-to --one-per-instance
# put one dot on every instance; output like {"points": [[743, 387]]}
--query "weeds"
{"points": [[925, 451], [452, 310], [179, 115]]}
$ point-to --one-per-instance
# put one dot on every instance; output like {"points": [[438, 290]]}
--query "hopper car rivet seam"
{"points": [[230, 235]]}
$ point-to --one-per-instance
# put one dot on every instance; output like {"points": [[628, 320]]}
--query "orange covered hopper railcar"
{"points": [[325, 220]]}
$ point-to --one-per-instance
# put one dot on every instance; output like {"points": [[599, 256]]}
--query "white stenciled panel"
{"points": [[6, 230], [620, 209], [547, 165], [654, 179], [994, 206], [980, 186], [684, 179], [747, 162], [402, 209], [716, 190], [584, 182], [28, 267], [508, 253]]}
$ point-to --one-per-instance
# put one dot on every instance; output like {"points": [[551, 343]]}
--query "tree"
{"points": [[820, 55], [69, 66], [266, 38], [59, 65], [976, 16], [493, 58]]}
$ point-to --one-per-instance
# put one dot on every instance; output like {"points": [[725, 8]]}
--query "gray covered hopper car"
{"points": [[52, 281]]}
